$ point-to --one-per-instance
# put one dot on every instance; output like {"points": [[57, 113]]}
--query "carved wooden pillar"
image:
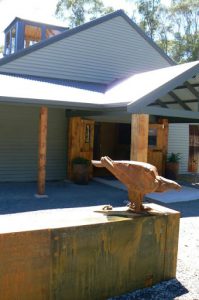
{"points": [[139, 137], [43, 123]]}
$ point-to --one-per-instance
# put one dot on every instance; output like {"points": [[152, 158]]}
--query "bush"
{"points": [[174, 157], [81, 161]]}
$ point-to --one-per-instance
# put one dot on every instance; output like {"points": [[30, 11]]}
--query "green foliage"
{"points": [[174, 157], [149, 14], [164, 30], [78, 12], [185, 19], [81, 161], [174, 28]]}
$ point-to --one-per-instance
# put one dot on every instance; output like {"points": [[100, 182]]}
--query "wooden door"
{"points": [[80, 141], [104, 145], [193, 148], [157, 146]]}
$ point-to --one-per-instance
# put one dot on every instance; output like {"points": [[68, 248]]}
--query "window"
{"points": [[13, 39], [87, 133], [7, 48], [10, 41], [32, 35], [51, 32], [152, 140]]}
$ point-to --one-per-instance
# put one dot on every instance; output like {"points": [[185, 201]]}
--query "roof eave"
{"points": [[103, 108], [167, 112]]}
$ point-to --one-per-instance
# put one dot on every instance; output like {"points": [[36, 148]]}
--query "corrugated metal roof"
{"points": [[90, 86], [16, 89], [135, 92]]}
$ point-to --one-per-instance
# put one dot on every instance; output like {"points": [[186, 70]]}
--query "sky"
{"points": [[42, 11]]}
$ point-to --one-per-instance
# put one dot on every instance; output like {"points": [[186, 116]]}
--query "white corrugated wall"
{"points": [[19, 143], [178, 142]]}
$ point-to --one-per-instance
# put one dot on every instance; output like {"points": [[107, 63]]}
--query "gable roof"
{"points": [[100, 51], [83, 27]]}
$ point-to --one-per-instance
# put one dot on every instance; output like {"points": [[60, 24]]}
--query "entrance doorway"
{"points": [[113, 140], [92, 140]]}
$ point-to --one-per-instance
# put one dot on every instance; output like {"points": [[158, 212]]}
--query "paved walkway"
{"points": [[20, 197], [187, 193]]}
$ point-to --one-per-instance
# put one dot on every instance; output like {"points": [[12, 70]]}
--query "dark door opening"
{"points": [[113, 140]]}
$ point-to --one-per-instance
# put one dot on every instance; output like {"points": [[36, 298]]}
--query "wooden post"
{"points": [[43, 122], [139, 145], [139, 137]]}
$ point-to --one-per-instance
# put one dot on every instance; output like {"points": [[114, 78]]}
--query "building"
{"points": [[104, 83]]}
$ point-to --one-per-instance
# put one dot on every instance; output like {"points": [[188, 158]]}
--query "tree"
{"points": [[78, 12], [175, 28], [164, 30], [185, 20], [149, 16]]}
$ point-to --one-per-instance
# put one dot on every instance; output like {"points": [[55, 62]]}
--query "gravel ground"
{"points": [[186, 285]]}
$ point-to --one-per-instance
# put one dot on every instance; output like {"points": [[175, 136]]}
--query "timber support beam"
{"points": [[192, 89], [139, 137], [179, 101]]}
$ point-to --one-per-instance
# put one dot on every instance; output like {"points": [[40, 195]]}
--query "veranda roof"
{"points": [[171, 91]]}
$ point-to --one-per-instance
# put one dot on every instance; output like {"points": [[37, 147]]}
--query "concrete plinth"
{"points": [[77, 254]]}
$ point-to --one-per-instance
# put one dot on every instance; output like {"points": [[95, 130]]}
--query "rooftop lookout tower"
{"points": [[21, 34]]}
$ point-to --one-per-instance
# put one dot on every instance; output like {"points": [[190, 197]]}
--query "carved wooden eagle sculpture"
{"points": [[140, 178]]}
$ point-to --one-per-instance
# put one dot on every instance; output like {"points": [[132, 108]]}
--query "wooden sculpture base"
{"points": [[127, 212], [78, 254]]}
